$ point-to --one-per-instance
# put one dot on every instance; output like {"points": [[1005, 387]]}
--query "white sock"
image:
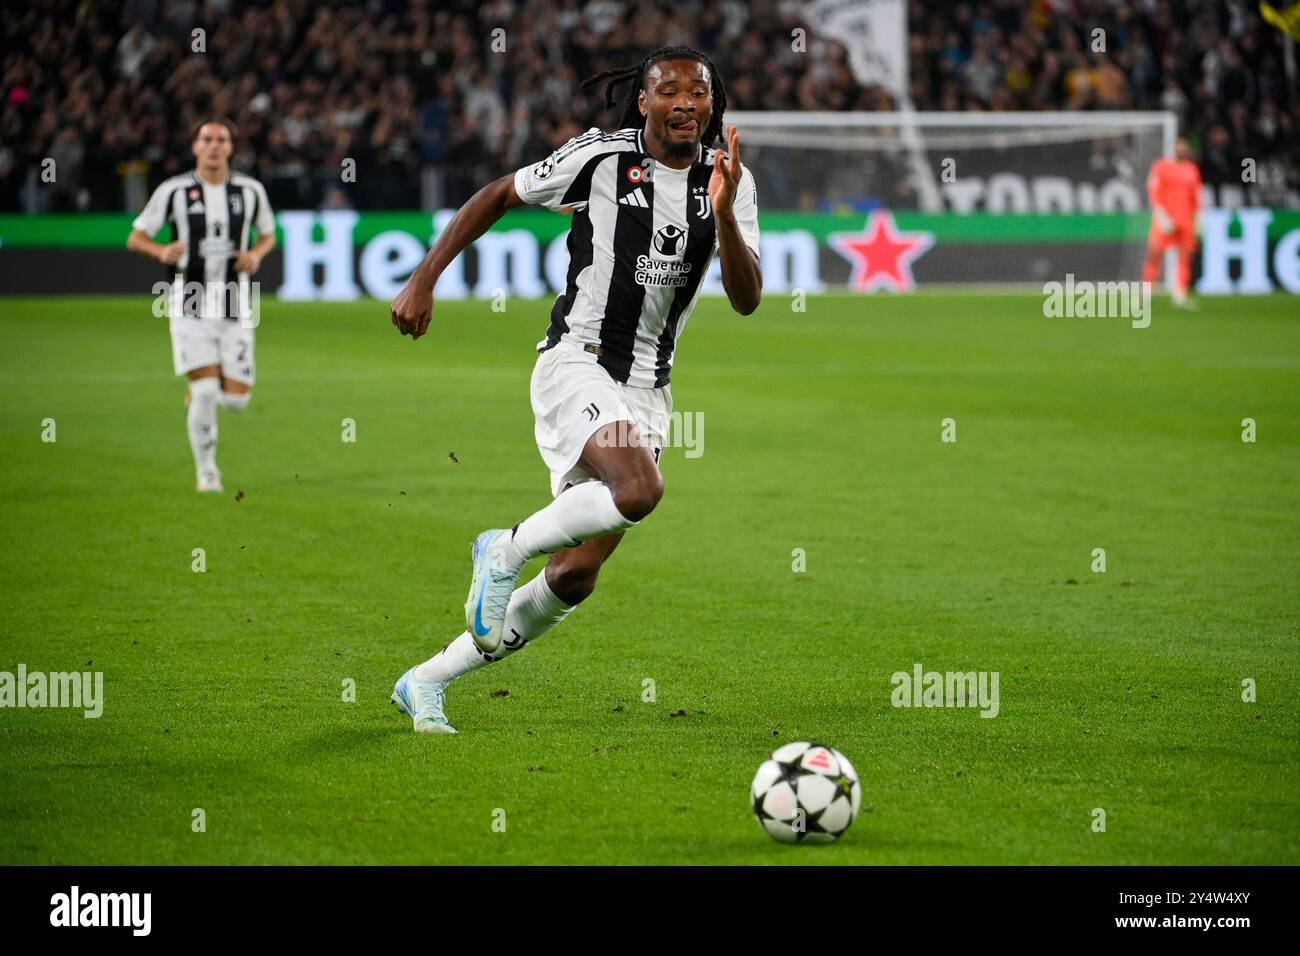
{"points": [[201, 422], [234, 401], [534, 609], [583, 512]]}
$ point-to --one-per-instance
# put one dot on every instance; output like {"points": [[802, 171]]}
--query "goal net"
{"points": [[973, 198]]}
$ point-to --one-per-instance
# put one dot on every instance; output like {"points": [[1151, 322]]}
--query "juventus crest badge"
{"points": [[703, 208]]}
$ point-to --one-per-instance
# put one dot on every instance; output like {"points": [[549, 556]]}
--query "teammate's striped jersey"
{"points": [[214, 222], [643, 237]]}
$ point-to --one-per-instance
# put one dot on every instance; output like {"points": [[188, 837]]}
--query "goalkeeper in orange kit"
{"points": [[1174, 189]]}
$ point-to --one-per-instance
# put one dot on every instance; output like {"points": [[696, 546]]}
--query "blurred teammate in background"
{"points": [[1174, 190], [214, 214]]}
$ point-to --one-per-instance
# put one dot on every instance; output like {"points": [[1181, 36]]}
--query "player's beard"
{"points": [[681, 149]]}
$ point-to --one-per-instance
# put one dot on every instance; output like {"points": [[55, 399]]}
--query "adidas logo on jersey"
{"points": [[195, 208], [635, 198]]}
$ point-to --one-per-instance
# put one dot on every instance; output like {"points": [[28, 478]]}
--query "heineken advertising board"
{"points": [[341, 255]]}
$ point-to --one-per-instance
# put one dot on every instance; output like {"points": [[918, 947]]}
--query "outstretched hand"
{"points": [[726, 173]]}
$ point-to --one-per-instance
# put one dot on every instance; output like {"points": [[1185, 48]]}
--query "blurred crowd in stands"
{"points": [[424, 100]]}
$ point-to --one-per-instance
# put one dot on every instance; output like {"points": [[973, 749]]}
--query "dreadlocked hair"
{"points": [[631, 111]]}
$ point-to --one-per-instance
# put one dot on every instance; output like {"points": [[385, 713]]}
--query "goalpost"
{"points": [[1013, 198]]}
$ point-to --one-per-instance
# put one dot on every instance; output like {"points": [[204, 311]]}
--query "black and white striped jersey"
{"points": [[214, 222], [642, 239]]}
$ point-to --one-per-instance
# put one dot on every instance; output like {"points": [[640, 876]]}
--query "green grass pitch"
{"points": [[223, 690]]}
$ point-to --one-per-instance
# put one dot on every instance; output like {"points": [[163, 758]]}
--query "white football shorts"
{"points": [[573, 397], [197, 343]]}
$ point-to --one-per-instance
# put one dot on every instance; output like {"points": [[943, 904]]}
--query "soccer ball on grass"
{"points": [[806, 793]]}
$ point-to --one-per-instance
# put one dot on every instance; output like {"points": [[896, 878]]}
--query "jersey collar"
{"points": [[640, 145], [200, 181]]}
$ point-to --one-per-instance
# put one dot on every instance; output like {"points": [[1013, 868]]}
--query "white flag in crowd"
{"points": [[874, 32]]}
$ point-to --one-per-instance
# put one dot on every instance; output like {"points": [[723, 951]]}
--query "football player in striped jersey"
{"points": [[652, 204]]}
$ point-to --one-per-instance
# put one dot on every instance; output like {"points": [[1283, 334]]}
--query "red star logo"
{"points": [[880, 255]]}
